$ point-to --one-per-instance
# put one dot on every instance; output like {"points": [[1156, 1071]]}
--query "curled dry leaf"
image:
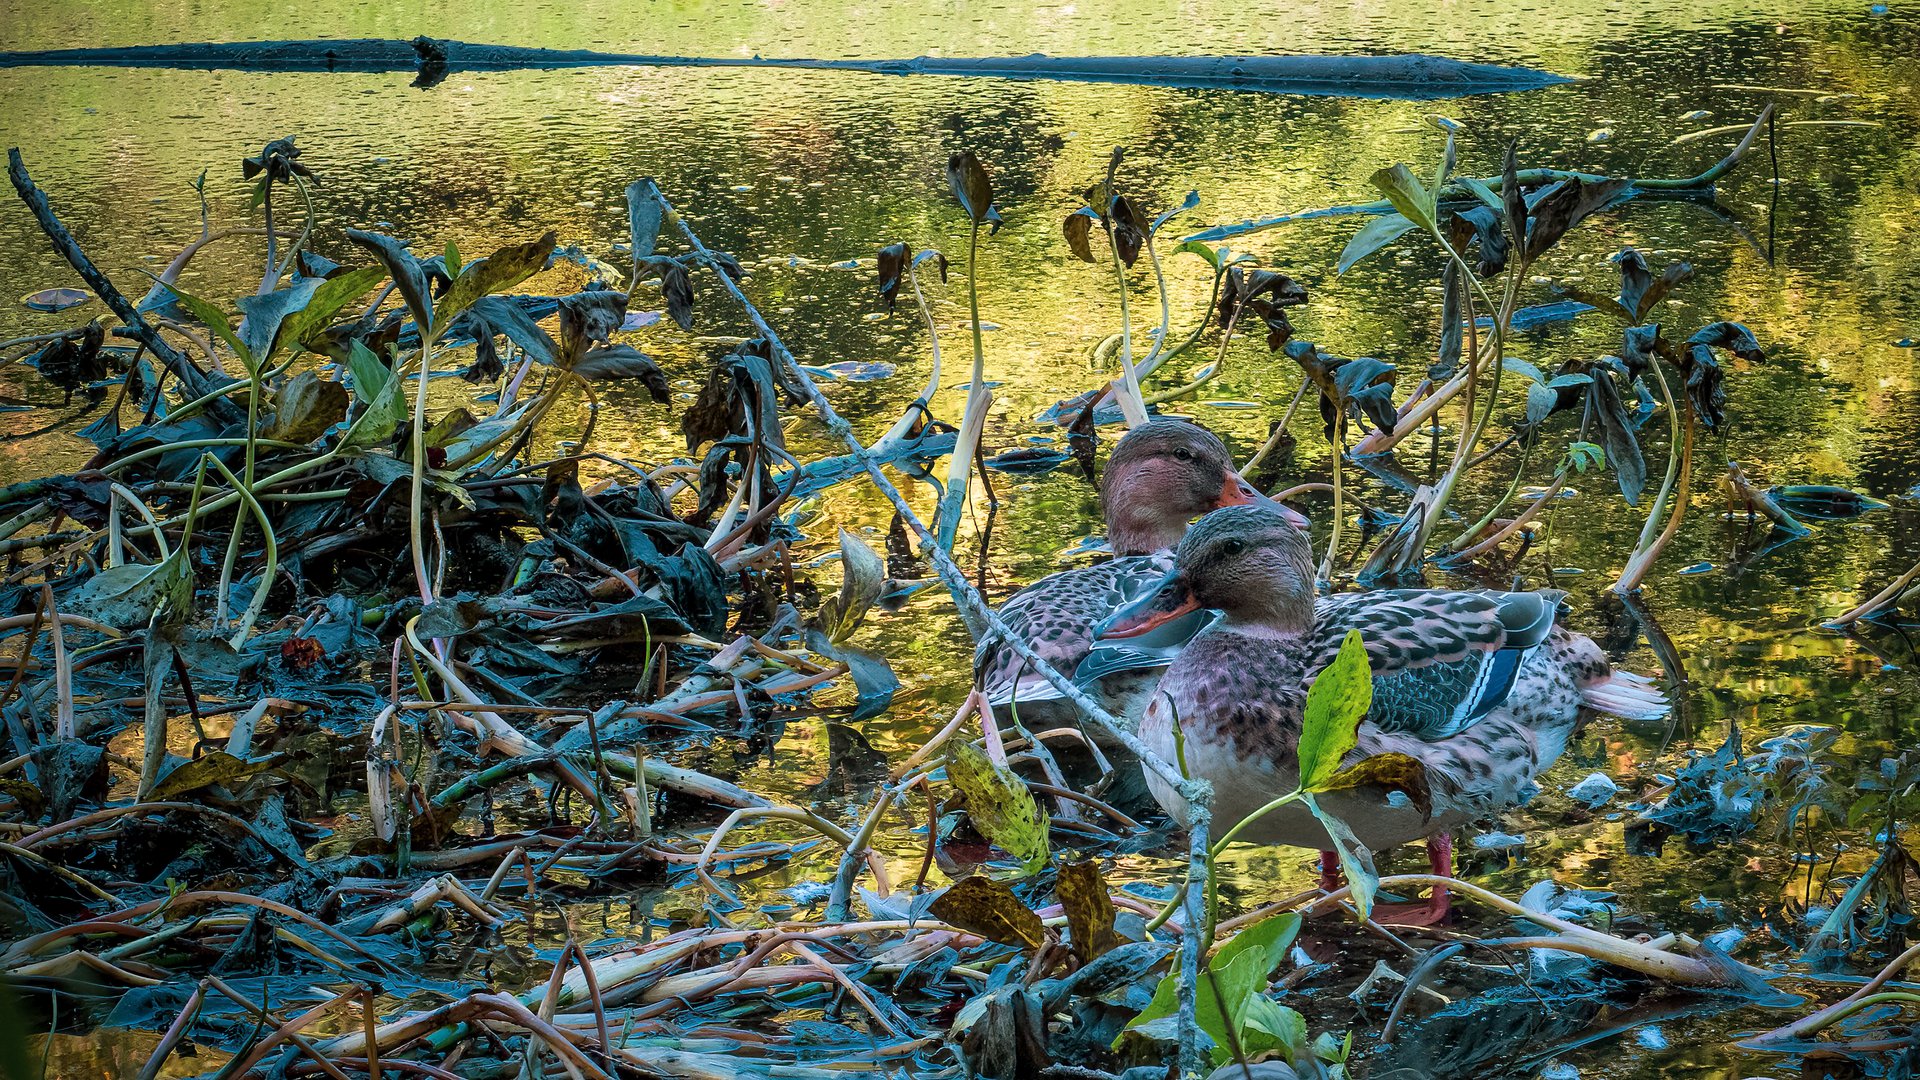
{"points": [[971, 185]]}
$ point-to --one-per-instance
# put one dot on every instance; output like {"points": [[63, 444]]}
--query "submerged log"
{"points": [[1404, 76]]}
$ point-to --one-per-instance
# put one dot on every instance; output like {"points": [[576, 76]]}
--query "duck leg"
{"points": [[1440, 904], [1330, 875]]}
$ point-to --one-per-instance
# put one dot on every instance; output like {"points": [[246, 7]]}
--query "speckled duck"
{"points": [[1481, 688]]}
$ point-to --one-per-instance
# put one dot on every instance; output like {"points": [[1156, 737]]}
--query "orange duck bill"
{"points": [[1169, 600], [1235, 491]]}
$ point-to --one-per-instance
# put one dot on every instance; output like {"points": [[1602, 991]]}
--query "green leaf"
{"points": [[265, 313], [1540, 402], [1585, 455], [981, 905], [999, 805], [1520, 367], [504, 269], [862, 578], [1205, 251], [1239, 971], [1356, 862], [1482, 192], [215, 319], [379, 391], [335, 293], [452, 260], [1375, 235], [1267, 1026], [1414, 201], [1337, 701]]}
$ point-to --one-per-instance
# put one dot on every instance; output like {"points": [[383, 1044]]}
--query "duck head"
{"points": [[1162, 475], [1247, 562]]}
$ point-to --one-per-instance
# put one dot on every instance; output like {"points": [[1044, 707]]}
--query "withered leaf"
{"points": [[1089, 906], [1395, 772], [980, 905]]}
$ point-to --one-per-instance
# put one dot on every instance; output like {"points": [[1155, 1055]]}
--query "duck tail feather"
{"points": [[1627, 695]]}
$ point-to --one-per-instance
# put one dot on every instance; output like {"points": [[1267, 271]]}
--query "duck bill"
{"points": [[1236, 491], [1170, 599]]}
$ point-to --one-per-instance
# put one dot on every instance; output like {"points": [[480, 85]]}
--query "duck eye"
{"points": [[1232, 547], [1183, 453]]}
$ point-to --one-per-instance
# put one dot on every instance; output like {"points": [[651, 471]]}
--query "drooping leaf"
{"points": [[505, 268], [408, 273], [491, 315], [1360, 384], [279, 160], [1408, 195], [263, 315], [1089, 907], [1705, 379], [676, 287], [1078, 229], [305, 408], [1393, 771], [1372, 236], [862, 578], [1128, 226], [624, 362], [980, 905], [971, 185], [1480, 228], [588, 318], [1617, 437], [1565, 205], [893, 262], [1639, 289], [1512, 198], [381, 395], [1265, 293], [998, 804], [644, 217], [1337, 700], [1356, 862]]}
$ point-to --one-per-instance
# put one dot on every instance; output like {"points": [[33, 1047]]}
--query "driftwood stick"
{"points": [[195, 382]]}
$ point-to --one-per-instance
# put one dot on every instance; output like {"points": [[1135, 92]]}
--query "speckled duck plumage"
{"points": [[1481, 688], [1161, 476]]}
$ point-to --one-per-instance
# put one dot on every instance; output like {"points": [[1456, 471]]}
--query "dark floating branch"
{"points": [[1402, 76], [197, 383]]}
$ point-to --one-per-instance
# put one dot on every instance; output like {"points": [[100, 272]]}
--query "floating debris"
{"points": [[56, 299]]}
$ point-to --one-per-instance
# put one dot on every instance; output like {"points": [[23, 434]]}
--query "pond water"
{"points": [[803, 173]]}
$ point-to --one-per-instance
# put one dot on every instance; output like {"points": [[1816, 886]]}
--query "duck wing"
{"points": [[1056, 615], [1441, 660]]}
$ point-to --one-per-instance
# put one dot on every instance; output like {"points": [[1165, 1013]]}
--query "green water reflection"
{"points": [[798, 172]]}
